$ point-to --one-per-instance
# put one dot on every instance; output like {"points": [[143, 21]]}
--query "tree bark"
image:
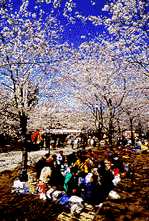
{"points": [[132, 137], [23, 125]]}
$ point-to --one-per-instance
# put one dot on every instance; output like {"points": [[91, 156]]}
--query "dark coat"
{"points": [[40, 165], [73, 185], [57, 179]]}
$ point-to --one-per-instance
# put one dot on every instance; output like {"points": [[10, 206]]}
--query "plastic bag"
{"points": [[43, 196], [114, 195], [76, 204], [76, 209], [18, 184], [116, 179]]}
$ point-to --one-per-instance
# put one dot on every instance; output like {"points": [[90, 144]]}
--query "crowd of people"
{"points": [[80, 174]]}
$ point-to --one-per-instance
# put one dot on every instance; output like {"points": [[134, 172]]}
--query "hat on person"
{"points": [[94, 170]]}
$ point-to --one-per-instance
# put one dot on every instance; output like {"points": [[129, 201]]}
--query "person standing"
{"points": [[61, 159], [58, 143], [72, 143]]}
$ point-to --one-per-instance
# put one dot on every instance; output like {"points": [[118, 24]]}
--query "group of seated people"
{"points": [[78, 174]]}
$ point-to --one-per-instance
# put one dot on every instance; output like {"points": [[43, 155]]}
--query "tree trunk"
{"points": [[110, 129], [110, 134], [100, 134], [23, 125], [131, 125], [140, 130]]}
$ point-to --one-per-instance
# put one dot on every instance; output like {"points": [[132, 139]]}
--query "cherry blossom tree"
{"points": [[135, 105], [102, 78], [7, 117], [29, 57], [106, 87], [97, 81], [128, 22], [126, 25], [127, 43]]}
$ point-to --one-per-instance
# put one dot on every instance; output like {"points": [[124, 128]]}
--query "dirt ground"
{"points": [[134, 192], [132, 205]]}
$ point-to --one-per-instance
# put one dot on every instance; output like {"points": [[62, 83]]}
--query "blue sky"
{"points": [[72, 33], [89, 30]]}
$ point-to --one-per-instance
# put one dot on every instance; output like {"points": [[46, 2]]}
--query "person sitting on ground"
{"points": [[67, 178], [81, 164], [40, 164], [57, 179], [96, 195], [85, 185], [73, 188], [105, 180], [118, 164], [45, 174]]}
